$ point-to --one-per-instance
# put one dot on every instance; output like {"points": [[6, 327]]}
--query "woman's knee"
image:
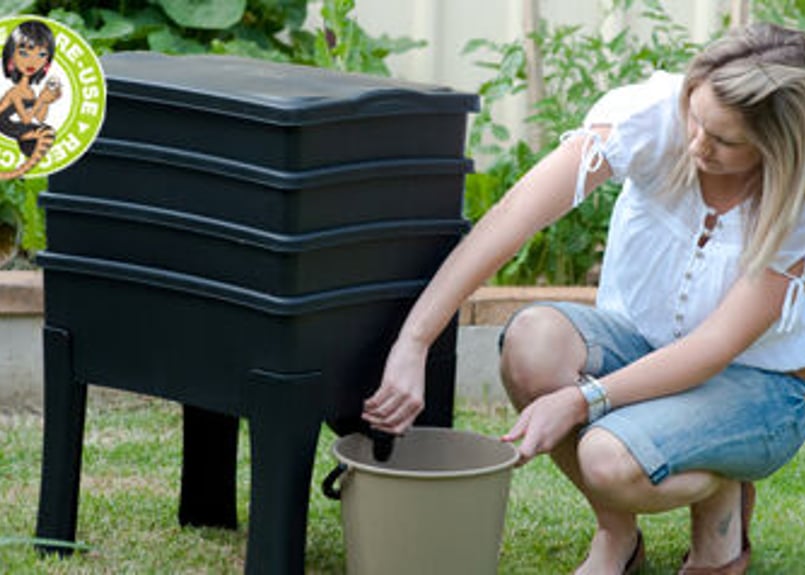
{"points": [[607, 467], [541, 352]]}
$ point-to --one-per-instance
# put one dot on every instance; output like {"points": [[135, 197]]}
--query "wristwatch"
{"points": [[595, 395]]}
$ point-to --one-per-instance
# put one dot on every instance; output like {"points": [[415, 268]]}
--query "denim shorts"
{"points": [[743, 423]]}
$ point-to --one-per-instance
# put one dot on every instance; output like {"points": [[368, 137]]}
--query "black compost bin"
{"points": [[246, 239]]}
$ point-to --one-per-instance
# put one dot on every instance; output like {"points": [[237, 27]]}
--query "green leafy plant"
{"points": [[264, 29], [269, 29], [19, 209], [786, 12], [342, 44], [579, 67]]}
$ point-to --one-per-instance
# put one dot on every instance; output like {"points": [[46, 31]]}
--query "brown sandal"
{"points": [[637, 558], [740, 564]]}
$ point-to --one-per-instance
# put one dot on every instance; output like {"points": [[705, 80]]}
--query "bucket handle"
{"points": [[328, 485]]}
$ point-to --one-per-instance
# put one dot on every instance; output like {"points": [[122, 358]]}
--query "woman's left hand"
{"points": [[546, 421]]}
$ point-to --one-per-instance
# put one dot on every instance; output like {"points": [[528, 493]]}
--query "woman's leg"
{"points": [[612, 476], [542, 352]]}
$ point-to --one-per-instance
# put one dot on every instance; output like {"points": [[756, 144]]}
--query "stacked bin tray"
{"points": [[280, 264], [221, 327], [265, 198]]}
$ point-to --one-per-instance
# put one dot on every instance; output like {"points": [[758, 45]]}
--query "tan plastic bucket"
{"points": [[437, 506]]}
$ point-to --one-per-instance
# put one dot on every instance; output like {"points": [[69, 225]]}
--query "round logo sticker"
{"points": [[53, 97]]}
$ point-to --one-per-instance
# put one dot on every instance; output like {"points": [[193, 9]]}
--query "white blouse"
{"points": [[654, 273]]}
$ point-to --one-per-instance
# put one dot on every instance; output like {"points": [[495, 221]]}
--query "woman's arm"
{"points": [[750, 307], [543, 195], [47, 96], [25, 115], [6, 101], [38, 111]]}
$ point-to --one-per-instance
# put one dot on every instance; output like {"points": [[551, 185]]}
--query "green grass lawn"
{"points": [[129, 499]]}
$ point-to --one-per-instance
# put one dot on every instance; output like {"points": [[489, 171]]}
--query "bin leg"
{"points": [[65, 402], [440, 377], [285, 417], [209, 469]]}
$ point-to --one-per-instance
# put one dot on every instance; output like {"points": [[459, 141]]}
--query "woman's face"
{"points": [[29, 58], [717, 136]]}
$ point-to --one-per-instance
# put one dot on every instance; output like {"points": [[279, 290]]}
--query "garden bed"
{"points": [[493, 305]]}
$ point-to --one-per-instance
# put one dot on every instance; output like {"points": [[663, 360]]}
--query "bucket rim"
{"points": [[377, 469]]}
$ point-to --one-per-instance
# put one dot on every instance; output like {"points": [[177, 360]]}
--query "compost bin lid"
{"points": [[277, 93]]}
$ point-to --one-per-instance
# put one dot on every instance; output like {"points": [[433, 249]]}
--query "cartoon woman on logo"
{"points": [[27, 56]]}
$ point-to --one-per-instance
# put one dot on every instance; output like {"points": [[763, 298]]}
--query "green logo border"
{"points": [[87, 84]]}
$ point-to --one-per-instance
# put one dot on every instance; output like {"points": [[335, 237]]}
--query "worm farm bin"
{"points": [[245, 238]]}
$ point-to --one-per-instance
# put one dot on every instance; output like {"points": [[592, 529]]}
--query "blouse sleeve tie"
{"points": [[592, 157], [792, 306]]}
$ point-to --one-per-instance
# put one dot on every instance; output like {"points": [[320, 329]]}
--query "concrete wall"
{"points": [[20, 340], [481, 320], [20, 362], [447, 25]]}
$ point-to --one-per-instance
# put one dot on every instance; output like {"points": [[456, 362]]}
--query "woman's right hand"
{"points": [[400, 397], [52, 91]]}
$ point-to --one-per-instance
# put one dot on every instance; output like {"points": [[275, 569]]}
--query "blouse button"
{"points": [[679, 317], [677, 333], [683, 297], [688, 275], [699, 254]]}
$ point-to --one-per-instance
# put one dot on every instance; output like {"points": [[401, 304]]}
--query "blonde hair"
{"points": [[759, 71]]}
